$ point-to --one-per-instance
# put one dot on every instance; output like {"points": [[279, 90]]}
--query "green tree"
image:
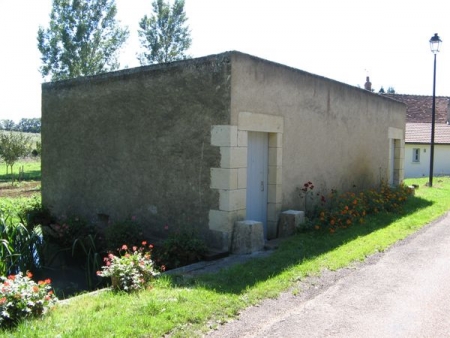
{"points": [[32, 125], [83, 38], [165, 35], [7, 124], [13, 145], [391, 90]]}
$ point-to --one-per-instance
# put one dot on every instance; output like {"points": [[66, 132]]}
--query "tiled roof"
{"points": [[421, 133], [418, 118], [418, 107]]}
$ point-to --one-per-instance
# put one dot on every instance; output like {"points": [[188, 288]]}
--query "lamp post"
{"points": [[435, 42]]}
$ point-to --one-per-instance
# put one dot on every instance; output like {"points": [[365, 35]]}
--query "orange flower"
{"points": [[35, 288], [317, 227], [349, 222], [29, 274], [48, 281]]}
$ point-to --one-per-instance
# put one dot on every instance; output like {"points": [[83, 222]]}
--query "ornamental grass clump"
{"points": [[131, 270], [21, 297]]}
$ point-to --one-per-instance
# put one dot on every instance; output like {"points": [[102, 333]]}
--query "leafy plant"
{"points": [[19, 247], [93, 259], [127, 232], [21, 297], [131, 270], [182, 247], [83, 38], [343, 210]]}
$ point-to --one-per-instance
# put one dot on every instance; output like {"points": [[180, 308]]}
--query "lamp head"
{"points": [[435, 43]]}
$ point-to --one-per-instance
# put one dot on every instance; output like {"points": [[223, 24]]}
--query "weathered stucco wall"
{"points": [[334, 135], [170, 143], [135, 143]]}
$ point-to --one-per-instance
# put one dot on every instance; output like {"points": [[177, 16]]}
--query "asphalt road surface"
{"points": [[403, 292]]}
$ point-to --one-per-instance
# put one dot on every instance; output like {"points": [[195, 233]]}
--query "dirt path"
{"points": [[404, 292], [19, 189]]}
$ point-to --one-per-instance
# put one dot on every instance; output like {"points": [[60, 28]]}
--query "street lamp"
{"points": [[435, 43]]}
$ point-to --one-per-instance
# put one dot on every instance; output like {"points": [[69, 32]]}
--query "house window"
{"points": [[416, 155]]}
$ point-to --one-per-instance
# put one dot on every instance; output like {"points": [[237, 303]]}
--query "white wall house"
{"points": [[418, 135]]}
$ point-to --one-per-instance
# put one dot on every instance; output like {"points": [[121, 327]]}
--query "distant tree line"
{"points": [[32, 125]]}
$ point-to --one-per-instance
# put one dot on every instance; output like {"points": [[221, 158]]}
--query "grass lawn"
{"points": [[188, 307], [25, 185]]}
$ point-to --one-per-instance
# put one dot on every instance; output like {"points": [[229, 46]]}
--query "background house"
{"points": [[418, 134], [205, 142]]}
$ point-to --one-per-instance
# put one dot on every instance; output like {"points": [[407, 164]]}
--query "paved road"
{"points": [[404, 292]]}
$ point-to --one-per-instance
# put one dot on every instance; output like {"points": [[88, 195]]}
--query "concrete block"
{"points": [[224, 220], [248, 237], [224, 178], [233, 157], [242, 178], [224, 136], [289, 222], [232, 200], [242, 138], [275, 156], [275, 140]]}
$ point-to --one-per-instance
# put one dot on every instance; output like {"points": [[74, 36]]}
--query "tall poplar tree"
{"points": [[83, 38], [165, 35]]}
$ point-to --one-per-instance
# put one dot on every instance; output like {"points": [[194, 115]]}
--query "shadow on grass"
{"points": [[297, 249], [31, 175]]}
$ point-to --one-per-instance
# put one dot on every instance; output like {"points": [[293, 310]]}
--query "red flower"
{"points": [[144, 243], [11, 277], [48, 281]]}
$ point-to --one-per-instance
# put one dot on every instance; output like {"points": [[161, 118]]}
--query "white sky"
{"points": [[341, 40]]}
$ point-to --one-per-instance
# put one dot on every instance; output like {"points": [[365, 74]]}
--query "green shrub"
{"points": [[182, 247], [128, 232], [19, 247]]}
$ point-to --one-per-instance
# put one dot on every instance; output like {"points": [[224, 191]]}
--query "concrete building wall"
{"points": [[169, 143], [421, 168], [334, 135], [135, 143]]}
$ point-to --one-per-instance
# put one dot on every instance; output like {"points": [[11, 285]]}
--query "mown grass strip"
{"points": [[183, 307]]}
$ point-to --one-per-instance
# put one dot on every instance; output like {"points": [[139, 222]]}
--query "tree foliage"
{"points": [[31, 125], [13, 145], [83, 38], [165, 35]]}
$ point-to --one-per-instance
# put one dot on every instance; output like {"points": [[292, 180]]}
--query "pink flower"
{"points": [[166, 227], [124, 247], [134, 248]]}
